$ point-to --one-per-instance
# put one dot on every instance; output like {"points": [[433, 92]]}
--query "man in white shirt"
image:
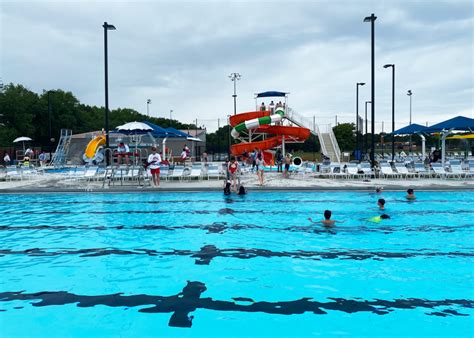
{"points": [[154, 160], [184, 155], [7, 159], [122, 151]]}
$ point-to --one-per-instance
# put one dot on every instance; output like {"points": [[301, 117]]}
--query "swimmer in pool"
{"points": [[327, 221], [410, 195], [378, 219], [381, 204], [378, 190]]}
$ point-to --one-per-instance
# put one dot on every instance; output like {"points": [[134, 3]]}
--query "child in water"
{"points": [[378, 219], [327, 221], [381, 204], [410, 195]]}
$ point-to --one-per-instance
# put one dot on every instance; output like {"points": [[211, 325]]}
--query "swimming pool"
{"points": [[200, 264]]}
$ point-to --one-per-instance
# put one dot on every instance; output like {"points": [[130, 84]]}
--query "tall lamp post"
{"points": [[372, 19], [393, 107], [171, 118], [148, 102], [234, 77], [357, 152], [365, 138], [409, 93], [107, 27], [51, 139]]}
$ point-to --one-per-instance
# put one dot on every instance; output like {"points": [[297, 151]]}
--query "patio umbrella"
{"points": [[134, 128], [22, 139]]}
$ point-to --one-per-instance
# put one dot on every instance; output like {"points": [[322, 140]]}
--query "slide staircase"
{"points": [[326, 137], [59, 156]]}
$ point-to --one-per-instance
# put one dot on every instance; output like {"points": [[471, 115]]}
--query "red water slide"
{"points": [[293, 133]]}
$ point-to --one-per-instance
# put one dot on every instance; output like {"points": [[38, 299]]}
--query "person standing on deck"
{"points": [[154, 160]]}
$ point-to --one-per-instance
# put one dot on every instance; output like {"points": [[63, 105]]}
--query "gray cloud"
{"points": [[180, 53]]}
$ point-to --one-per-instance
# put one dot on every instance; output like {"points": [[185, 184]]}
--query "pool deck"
{"points": [[273, 182]]}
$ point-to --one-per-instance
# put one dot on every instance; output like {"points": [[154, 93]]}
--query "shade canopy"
{"points": [[22, 139], [157, 130], [135, 128], [410, 129], [456, 123], [460, 137], [176, 133], [271, 94]]}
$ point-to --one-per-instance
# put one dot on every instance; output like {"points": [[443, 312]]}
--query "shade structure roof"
{"points": [[410, 129], [157, 130], [456, 123], [176, 133], [271, 94]]}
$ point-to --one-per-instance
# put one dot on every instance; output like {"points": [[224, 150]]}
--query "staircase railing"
{"points": [[337, 150], [59, 157]]}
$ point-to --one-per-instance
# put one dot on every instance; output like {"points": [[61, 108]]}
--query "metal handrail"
{"points": [[334, 143]]}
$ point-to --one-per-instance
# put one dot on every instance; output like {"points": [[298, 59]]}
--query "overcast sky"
{"points": [[179, 55]]}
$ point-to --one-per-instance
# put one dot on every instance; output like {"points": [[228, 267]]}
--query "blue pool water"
{"points": [[200, 264]]}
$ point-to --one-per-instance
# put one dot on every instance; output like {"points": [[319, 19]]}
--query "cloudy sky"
{"points": [[179, 55]]}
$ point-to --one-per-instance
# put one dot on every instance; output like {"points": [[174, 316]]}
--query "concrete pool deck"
{"points": [[273, 182]]}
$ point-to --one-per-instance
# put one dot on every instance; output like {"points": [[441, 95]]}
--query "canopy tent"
{"points": [[446, 127], [271, 94], [456, 123], [410, 129], [158, 131], [176, 132], [413, 129]]}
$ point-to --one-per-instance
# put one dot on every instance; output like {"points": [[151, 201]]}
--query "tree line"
{"points": [[25, 113]]}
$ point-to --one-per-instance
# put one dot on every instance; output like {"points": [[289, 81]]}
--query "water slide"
{"points": [[261, 121], [92, 147]]}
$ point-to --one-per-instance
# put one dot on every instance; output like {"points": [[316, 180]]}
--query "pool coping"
{"points": [[135, 189]]}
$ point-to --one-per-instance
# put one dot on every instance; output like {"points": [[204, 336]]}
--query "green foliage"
{"points": [[25, 113], [345, 135], [218, 142]]}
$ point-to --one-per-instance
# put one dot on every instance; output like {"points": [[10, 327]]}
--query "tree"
{"points": [[345, 136]]}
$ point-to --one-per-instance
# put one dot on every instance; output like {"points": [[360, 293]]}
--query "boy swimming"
{"points": [[410, 195], [327, 221], [381, 204]]}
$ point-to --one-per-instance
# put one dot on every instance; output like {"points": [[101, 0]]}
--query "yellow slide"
{"points": [[92, 148]]}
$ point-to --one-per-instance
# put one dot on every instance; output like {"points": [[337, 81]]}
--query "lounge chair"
{"points": [[195, 172], [421, 170], [403, 170], [439, 171], [12, 173], [456, 169], [214, 172], [178, 172], [367, 169], [164, 172], [387, 171], [353, 170]]}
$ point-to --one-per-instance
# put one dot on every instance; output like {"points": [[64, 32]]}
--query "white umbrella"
{"points": [[22, 139], [134, 128]]}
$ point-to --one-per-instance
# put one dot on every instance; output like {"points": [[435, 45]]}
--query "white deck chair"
{"points": [[439, 171], [403, 170], [421, 170], [456, 169], [367, 169], [164, 172], [91, 173], [387, 171], [12, 173], [213, 172], [195, 172], [353, 170], [178, 172], [470, 170]]}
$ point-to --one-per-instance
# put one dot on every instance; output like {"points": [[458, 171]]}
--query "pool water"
{"points": [[201, 264]]}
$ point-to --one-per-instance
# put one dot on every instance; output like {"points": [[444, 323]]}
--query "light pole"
{"points": [[107, 27], [148, 107], [393, 107], [234, 77], [372, 19], [409, 93], [365, 138], [357, 152], [171, 112], [51, 139]]}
